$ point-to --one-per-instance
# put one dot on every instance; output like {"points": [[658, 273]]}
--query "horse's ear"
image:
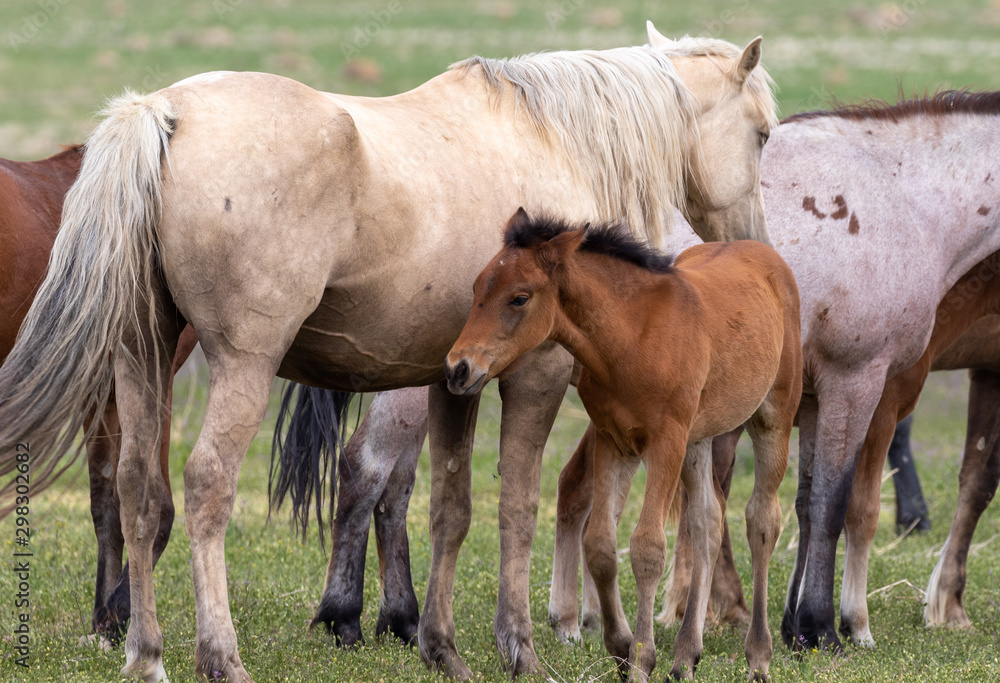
{"points": [[518, 220], [553, 252], [748, 60], [656, 39]]}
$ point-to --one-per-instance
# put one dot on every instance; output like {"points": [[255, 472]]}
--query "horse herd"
{"points": [[341, 242]]}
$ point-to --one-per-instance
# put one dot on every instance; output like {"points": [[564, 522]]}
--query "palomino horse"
{"points": [[31, 194], [672, 353], [332, 240]]}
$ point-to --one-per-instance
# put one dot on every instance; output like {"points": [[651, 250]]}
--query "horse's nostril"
{"points": [[460, 373]]}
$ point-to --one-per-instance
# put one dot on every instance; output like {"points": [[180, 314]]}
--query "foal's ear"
{"points": [[518, 220], [748, 60], [555, 251]]}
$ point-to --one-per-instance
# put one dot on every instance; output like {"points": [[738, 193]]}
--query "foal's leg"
{"points": [[369, 460], [574, 499], [977, 484], [398, 611], [612, 471], [451, 427], [726, 601], [531, 395], [706, 510], [770, 428]]}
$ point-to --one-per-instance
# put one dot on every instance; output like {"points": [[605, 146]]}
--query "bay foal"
{"points": [[673, 353]]}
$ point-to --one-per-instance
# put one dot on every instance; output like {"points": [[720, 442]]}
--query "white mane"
{"points": [[624, 119]]}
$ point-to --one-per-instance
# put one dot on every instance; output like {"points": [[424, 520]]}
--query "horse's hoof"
{"points": [[96, 640], [403, 626], [591, 622], [347, 633]]}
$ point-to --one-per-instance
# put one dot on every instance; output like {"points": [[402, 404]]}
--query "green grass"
{"points": [[50, 88]]}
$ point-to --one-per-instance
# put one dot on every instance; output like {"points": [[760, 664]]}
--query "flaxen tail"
{"points": [[103, 263]]}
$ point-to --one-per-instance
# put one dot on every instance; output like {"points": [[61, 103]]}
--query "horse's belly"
{"points": [[363, 342]]}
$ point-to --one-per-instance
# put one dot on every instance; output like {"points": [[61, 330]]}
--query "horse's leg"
{"points": [[531, 393], [102, 463], [364, 470], [726, 600], [769, 428], [591, 620], [398, 611], [118, 605], [706, 510], [612, 472], [808, 414], [861, 522], [845, 411], [451, 427], [141, 384], [574, 499], [679, 579], [910, 504], [977, 484], [648, 545]]}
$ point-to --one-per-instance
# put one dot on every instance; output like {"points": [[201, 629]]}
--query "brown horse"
{"points": [[673, 353], [956, 342], [31, 197]]}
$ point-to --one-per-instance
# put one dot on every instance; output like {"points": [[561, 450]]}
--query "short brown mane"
{"points": [[945, 102]]}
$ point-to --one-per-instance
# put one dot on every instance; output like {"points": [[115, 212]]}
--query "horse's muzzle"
{"points": [[463, 378]]}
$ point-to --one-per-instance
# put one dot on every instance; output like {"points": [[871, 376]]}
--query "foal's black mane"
{"points": [[985, 102], [609, 239]]}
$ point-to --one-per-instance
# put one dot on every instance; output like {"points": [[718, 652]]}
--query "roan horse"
{"points": [[31, 195], [328, 239], [672, 354]]}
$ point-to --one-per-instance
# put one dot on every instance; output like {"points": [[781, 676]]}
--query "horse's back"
{"points": [[31, 197]]}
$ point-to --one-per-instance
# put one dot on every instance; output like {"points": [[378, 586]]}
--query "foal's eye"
{"points": [[519, 300]]}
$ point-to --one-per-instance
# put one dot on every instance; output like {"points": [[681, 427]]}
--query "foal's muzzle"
{"points": [[463, 377]]}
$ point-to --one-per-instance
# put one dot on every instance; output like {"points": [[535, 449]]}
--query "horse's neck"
{"points": [[598, 312]]}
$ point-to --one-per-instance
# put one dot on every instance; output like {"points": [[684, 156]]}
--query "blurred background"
{"points": [[60, 59]]}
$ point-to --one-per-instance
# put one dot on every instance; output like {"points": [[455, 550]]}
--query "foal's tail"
{"points": [[102, 267], [307, 453]]}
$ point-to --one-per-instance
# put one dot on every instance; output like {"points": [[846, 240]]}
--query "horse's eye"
{"points": [[519, 300], [764, 135]]}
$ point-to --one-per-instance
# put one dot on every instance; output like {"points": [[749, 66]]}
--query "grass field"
{"points": [[60, 59]]}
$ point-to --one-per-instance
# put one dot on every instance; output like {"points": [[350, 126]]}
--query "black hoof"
{"points": [[346, 630], [108, 624], [811, 634], [403, 626]]}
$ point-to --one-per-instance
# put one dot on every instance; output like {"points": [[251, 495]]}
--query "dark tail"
{"points": [[305, 454]]}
